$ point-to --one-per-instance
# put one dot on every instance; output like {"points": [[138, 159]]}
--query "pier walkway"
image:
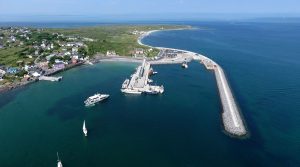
{"points": [[232, 120], [48, 78], [139, 81]]}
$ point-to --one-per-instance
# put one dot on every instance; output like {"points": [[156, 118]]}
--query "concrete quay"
{"points": [[48, 78], [139, 82]]}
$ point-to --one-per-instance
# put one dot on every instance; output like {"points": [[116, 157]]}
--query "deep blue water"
{"points": [[180, 128], [262, 61]]}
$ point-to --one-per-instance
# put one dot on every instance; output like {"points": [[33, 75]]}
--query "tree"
{"points": [[21, 73], [83, 51], [67, 58]]}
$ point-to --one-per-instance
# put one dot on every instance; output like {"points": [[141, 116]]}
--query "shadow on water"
{"points": [[9, 96], [68, 108]]}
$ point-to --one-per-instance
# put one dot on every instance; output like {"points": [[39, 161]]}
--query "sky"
{"points": [[139, 9]]}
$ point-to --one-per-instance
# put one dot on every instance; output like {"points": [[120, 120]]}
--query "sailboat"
{"points": [[59, 164], [84, 129]]}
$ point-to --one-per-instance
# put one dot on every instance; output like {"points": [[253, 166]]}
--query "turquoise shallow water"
{"points": [[182, 127]]}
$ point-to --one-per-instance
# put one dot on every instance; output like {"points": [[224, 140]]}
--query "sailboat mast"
{"points": [[57, 156]]}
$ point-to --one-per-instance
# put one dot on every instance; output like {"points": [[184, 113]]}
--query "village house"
{"points": [[12, 70], [139, 51], [36, 52], [75, 57], [43, 64], [35, 74], [25, 78], [111, 53], [50, 56], [74, 60], [2, 73], [58, 61], [74, 50], [67, 54], [43, 45], [13, 39], [59, 66]]}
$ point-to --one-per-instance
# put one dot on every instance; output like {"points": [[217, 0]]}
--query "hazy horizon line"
{"points": [[140, 17]]}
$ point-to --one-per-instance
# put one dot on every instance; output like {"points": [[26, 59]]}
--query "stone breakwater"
{"points": [[231, 116], [232, 120]]}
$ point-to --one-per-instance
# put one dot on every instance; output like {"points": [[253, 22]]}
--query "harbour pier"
{"points": [[48, 78], [232, 120], [231, 116], [139, 81]]}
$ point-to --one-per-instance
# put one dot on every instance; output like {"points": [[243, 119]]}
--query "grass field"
{"points": [[117, 38], [10, 56]]}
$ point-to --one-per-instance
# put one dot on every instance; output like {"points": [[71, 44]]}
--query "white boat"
{"points": [[154, 90], [150, 80], [130, 91], [59, 163], [125, 84], [84, 129], [92, 100], [154, 72], [184, 65]]}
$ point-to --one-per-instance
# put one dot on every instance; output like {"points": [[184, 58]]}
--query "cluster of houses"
{"points": [[171, 53], [47, 55], [137, 53], [2, 73], [10, 36], [136, 32], [67, 54], [47, 52]]}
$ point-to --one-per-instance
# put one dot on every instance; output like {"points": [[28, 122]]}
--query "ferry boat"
{"points": [[92, 100], [59, 163], [184, 65], [84, 129]]}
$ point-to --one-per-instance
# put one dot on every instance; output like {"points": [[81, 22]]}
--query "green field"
{"points": [[10, 56], [117, 38]]}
